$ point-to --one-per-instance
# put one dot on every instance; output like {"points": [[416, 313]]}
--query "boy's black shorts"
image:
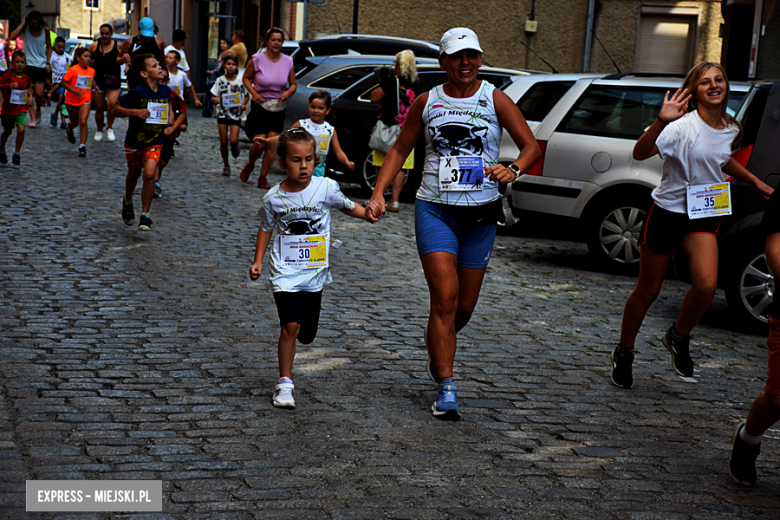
{"points": [[300, 307], [167, 150], [663, 231]]}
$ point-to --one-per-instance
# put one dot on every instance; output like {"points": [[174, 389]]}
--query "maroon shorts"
{"points": [[663, 231]]}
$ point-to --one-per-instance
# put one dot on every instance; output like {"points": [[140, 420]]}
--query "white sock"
{"points": [[285, 380], [750, 439]]}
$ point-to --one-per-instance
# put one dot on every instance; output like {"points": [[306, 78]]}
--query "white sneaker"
{"points": [[110, 137], [283, 397], [99, 136]]}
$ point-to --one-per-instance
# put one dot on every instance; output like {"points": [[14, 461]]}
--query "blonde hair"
{"points": [[407, 64], [692, 80]]}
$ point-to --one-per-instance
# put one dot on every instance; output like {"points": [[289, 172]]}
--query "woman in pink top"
{"points": [[266, 77]]}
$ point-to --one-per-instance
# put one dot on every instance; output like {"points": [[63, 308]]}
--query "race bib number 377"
{"points": [[461, 173], [304, 251]]}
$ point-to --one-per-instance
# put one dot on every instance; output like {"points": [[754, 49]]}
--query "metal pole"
{"points": [[588, 36], [355, 9]]}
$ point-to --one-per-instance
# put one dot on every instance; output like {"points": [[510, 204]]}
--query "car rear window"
{"points": [[735, 99], [751, 113], [538, 100], [343, 78]]}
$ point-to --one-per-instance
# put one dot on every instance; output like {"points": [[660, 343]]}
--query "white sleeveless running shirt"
{"points": [[460, 127], [322, 134]]}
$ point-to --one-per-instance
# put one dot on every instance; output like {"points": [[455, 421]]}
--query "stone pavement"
{"points": [[130, 355]]}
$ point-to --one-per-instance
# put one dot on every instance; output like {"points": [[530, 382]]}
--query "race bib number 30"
{"points": [[84, 82], [461, 173], [158, 113], [18, 97], [709, 200], [304, 251], [231, 100]]}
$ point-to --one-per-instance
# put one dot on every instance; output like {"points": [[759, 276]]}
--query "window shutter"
{"points": [[665, 44]]}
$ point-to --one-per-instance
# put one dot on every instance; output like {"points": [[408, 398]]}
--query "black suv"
{"points": [[743, 271]]}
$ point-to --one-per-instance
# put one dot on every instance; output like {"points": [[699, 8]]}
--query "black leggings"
{"points": [[302, 308]]}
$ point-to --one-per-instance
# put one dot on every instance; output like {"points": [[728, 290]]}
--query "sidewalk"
{"points": [[132, 355]]}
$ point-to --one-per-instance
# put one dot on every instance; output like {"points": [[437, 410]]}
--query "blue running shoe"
{"points": [[64, 124], [53, 119], [446, 405]]}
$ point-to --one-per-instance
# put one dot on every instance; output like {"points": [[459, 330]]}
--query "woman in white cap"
{"points": [[458, 202], [145, 43]]}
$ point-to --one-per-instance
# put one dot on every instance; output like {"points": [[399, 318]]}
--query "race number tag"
{"points": [[461, 173], [177, 89], [18, 97], [84, 82], [709, 200], [304, 251], [323, 141], [158, 113], [3, 64], [231, 100]]}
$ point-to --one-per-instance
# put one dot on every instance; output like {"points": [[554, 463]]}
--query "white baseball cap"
{"points": [[457, 39]]}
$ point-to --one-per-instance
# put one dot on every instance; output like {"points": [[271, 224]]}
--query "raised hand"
{"points": [[674, 108]]}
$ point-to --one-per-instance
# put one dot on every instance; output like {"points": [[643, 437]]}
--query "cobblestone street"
{"points": [[151, 355]]}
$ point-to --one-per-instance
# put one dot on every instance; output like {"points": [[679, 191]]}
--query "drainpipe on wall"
{"points": [[588, 36], [177, 15]]}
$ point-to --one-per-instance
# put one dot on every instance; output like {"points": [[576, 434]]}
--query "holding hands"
{"points": [[376, 209], [674, 108]]}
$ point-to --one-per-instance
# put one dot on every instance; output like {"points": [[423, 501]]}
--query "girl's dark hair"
{"points": [[34, 16], [107, 26], [79, 51], [321, 94], [271, 31], [230, 56], [295, 135]]}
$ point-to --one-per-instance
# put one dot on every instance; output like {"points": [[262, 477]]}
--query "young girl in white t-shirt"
{"points": [[695, 136], [298, 209], [229, 97]]}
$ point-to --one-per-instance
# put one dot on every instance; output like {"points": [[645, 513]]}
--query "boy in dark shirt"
{"points": [[179, 108], [766, 408], [148, 107], [17, 93]]}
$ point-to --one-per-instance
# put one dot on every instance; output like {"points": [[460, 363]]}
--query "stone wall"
{"points": [[560, 38]]}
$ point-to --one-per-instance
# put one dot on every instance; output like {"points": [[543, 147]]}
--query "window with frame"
{"points": [[538, 100], [343, 78], [92, 5]]}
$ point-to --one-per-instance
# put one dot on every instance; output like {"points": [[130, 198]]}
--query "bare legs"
{"points": [[100, 106], [701, 250], [148, 171], [454, 292], [80, 118], [398, 185]]}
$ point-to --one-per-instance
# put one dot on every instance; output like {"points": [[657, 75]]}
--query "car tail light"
{"points": [[742, 156], [536, 169]]}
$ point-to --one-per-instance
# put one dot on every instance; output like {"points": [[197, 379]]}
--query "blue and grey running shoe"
{"points": [[446, 405]]}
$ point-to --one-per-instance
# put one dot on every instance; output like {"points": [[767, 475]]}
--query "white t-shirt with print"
{"points": [[179, 82], [306, 212], [322, 134], [59, 66], [224, 86], [693, 154], [183, 63]]}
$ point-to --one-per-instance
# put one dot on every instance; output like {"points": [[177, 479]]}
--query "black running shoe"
{"points": [[235, 152], [742, 461], [128, 215], [681, 356], [3, 157], [157, 190], [71, 136], [82, 151], [621, 368], [144, 223], [16, 160]]}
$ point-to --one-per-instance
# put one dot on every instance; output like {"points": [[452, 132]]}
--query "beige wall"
{"points": [[74, 17], [560, 38]]}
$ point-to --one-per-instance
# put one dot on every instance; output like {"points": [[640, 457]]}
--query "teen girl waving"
{"points": [[695, 136]]}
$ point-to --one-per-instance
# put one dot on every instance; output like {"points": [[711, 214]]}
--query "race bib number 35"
{"points": [[158, 113], [709, 200], [304, 251], [461, 173]]}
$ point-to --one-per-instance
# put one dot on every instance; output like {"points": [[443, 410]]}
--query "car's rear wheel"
{"points": [[750, 286], [613, 229], [368, 175]]}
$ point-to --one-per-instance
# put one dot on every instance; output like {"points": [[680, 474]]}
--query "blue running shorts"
{"points": [[437, 230]]}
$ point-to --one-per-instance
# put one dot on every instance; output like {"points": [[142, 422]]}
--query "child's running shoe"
{"points": [[32, 123], [283, 397], [681, 355], [3, 157], [16, 160], [742, 461], [244, 175], [54, 119], [446, 405], [622, 374], [128, 215], [145, 223], [262, 183], [226, 171], [71, 135], [98, 136], [64, 125], [110, 137], [157, 190], [82, 151], [234, 151]]}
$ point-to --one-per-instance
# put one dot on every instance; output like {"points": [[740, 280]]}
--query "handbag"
{"points": [[111, 81], [383, 136]]}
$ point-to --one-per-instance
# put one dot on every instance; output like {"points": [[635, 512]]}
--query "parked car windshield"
{"points": [[538, 100], [750, 114], [341, 79]]}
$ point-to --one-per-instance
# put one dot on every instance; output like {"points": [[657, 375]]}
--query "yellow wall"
{"points": [[74, 17]]}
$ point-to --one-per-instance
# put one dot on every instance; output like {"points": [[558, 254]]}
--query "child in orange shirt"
{"points": [[77, 83], [16, 91]]}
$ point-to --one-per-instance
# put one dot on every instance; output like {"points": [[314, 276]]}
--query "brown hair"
{"points": [[295, 135], [138, 65], [692, 80], [323, 95]]}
